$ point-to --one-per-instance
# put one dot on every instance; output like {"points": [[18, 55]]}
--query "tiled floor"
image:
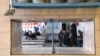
{"points": [[40, 47], [48, 50]]}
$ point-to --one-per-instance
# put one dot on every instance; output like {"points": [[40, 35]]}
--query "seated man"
{"points": [[26, 34], [37, 33], [80, 39], [33, 36]]}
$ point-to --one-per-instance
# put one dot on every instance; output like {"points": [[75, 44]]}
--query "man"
{"points": [[73, 32], [63, 38], [80, 39], [31, 35], [26, 34]]}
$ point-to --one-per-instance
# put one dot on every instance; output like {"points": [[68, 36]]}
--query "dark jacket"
{"points": [[26, 34], [38, 34], [64, 38], [74, 31], [33, 36]]}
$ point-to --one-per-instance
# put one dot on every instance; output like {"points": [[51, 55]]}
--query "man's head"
{"points": [[63, 31], [76, 22], [30, 32]]}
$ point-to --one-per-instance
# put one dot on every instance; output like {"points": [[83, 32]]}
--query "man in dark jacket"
{"points": [[33, 36], [26, 34], [74, 33], [64, 38]]}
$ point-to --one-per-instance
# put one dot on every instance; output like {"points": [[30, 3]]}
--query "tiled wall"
{"points": [[5, 37]]}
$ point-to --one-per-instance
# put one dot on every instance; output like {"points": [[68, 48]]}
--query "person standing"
{"points": [[73, 32]]}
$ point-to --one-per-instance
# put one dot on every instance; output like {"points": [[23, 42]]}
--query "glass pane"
{"points": [[35, 37], [71, 35], [58, 36], [42, 40]]}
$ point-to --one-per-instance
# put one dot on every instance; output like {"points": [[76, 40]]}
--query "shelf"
{"points": [[56, 5]]}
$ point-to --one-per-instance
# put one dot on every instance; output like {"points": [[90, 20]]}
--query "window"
{"points": [[54, 36]]}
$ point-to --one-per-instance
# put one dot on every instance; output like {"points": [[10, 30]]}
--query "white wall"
{"points": [[57, 27], [88, 36]]}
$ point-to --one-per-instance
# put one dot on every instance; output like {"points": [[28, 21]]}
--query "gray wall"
{"points": [[16, 36]]}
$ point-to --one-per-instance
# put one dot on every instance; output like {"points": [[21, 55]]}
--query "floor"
{"points": [[41, 47]]}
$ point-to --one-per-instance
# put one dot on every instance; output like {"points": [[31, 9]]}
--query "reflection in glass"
{"points": [[37, 32], [71, 34], [56, 36]]}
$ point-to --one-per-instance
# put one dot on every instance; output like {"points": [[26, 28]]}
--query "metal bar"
{"points": [[53, 49], [10, 3]]}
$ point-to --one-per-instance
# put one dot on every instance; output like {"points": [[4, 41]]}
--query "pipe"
{"points": [[52, 34], [10, 4]]}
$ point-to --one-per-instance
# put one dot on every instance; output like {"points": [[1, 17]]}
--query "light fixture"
{"points": [[10, 11]]}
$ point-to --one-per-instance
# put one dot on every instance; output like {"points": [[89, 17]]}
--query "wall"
{"points": [[88, 40], [4, 30], [57, 27], [5, 37], [15, 36]]}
